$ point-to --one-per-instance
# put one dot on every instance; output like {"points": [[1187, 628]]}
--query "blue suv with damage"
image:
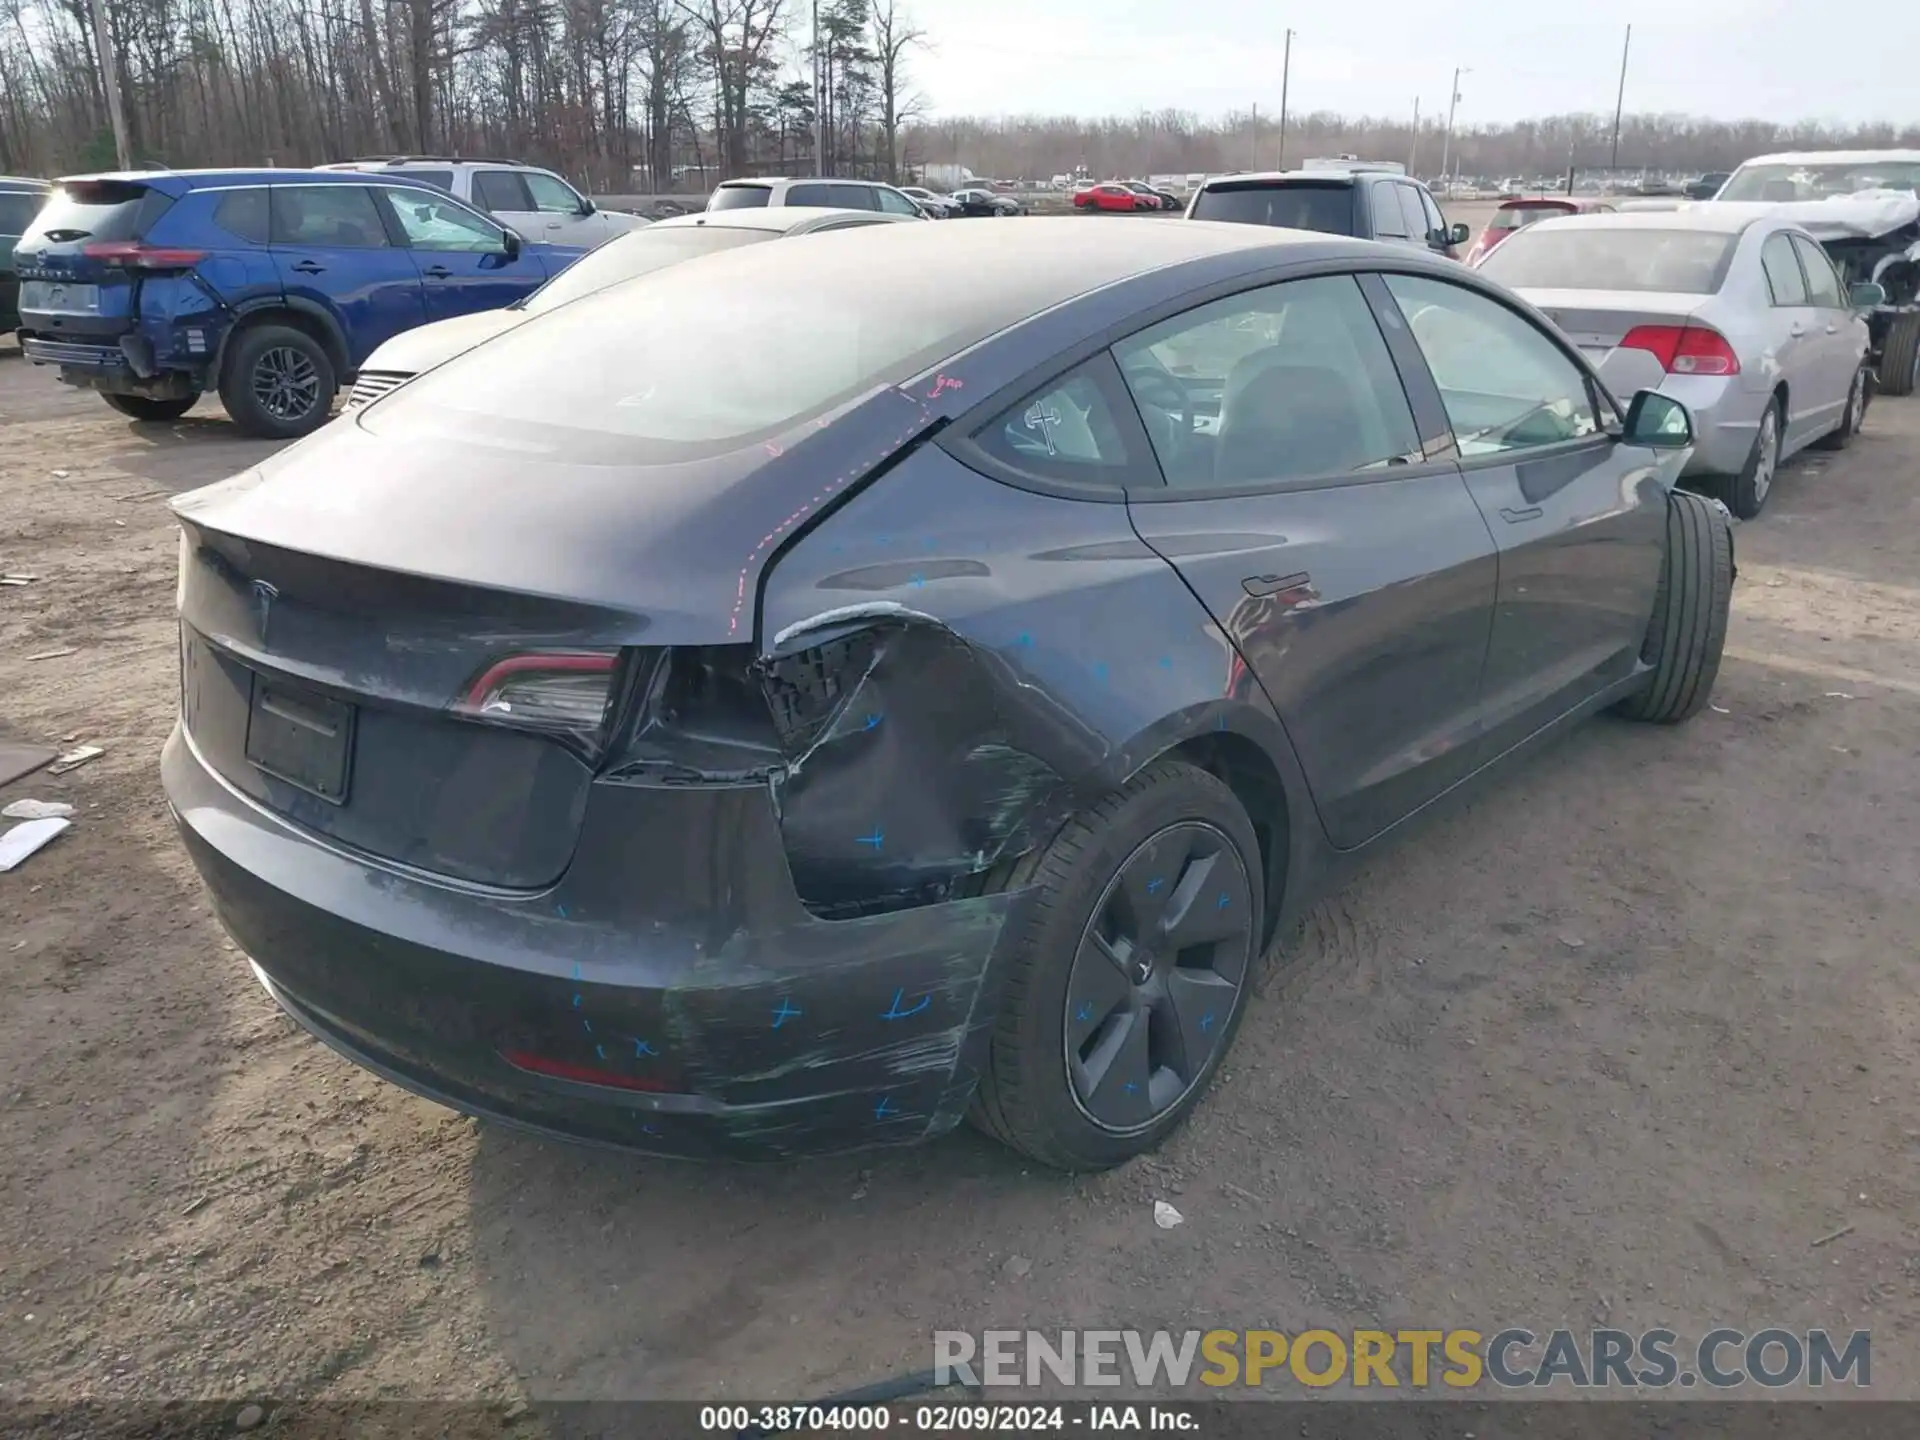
{"points": [[268, 286]]}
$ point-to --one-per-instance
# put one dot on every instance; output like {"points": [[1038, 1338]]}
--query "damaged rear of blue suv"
{"points": [[267, 286]]}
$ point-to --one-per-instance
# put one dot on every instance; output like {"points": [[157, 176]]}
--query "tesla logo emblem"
{"points": [[263, 597], [1042, 417]]}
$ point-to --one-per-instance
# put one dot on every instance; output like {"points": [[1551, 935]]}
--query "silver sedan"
{"points": [[1732, 311]]}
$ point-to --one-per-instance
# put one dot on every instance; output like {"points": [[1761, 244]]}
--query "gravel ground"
{"points": [[1614, 1043]]}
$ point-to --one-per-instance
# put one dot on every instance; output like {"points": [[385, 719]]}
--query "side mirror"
{"points": [[1458, 234], [1866, 295], [510, 240], [587, 207], [1658, 422]]}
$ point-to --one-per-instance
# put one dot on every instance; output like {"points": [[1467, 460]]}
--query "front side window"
{"points": [[438, 222], [1823, 286], [1389, 223], [1435, 220], [551, 195], [1066, 431], [439, 179], [1784, 280], [895, 203], [852, 197], [1288, 382], [330, 215], [1416, 218], [1505, 384], [501, 191]]}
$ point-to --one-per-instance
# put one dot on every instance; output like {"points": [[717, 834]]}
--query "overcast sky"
{"points": [[1774, 59]]}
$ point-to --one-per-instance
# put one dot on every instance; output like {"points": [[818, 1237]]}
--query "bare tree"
{"points": [[893, 35]]}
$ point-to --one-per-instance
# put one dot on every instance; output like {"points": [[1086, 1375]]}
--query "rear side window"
{"points": [[1823, 287], [243, 214], [1326, 208], [1783, 271], [1065, 431], [95, 210], [1389, 221], [335, 216], [740, 197], [501, 190]]}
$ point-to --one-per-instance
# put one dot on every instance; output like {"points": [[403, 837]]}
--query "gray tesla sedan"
{"points": [[794, 701]]}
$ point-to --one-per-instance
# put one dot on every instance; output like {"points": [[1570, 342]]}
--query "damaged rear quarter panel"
{"points": [[1003, 659]]}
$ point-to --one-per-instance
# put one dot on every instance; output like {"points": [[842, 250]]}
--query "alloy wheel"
{"points": [[1157, 975], [286, 383], [1769, 457]]}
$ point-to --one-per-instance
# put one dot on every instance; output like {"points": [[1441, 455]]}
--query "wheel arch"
{"points": [[310, 319]]}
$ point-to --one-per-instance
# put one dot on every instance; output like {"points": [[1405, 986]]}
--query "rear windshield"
{"points": [[740, 197], [639, 253], [1512, 217], [705, 359], [94, 210], [1327, 208], [17, 211], [1573, 257]]}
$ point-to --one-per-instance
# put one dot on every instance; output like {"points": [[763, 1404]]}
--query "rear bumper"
{"points": [[1726, 418], [669, 994], [123, 368]]}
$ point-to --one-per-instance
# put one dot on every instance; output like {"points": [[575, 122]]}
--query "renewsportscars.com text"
{"points": [[1513, 1358]]}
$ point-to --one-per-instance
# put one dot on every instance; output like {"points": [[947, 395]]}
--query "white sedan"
{"points": [[1730, 309]]}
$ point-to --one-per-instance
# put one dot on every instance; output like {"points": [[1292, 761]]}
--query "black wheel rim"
{"points": [[1156, 977], [286, 383]]}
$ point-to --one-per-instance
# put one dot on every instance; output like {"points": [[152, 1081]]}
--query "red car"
{"points": [[1113, 196], [1516, 214]]}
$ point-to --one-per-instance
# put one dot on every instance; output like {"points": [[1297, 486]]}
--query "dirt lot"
{"points": [[1613, 1044]]}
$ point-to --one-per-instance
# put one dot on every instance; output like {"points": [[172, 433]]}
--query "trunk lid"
{"points": [[67, 293], [1598, 320], [339, 603]]}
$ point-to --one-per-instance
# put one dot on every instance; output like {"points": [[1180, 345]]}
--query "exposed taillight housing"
{"points": [[1685, 349], [135, 255], [556, 692]]}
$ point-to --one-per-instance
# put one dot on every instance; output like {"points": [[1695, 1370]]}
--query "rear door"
{"points": [[1353, 573], [1580, 520], [67, 293], [1794, 332], [331, 248], [460, 255], [1833, 335]]}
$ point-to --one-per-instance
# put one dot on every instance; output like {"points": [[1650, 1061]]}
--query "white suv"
{"points": [[537, 203], [826, 194]]}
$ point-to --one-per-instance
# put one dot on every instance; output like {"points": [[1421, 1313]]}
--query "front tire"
{"points": [[1746, 493], [145, 407], [1850, 421], [278, 383], [1126, 971], [1689, 626]]}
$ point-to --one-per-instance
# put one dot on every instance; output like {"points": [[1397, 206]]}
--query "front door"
{"points": [[332, 249], [461, 255], [1354, 575], [1793, 327], [1580, 520]]}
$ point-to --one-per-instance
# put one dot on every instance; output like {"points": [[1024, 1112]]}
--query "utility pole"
{"points": [[1620, 100], [110, 82], [1286, 71], [1446, 145], [819, 99], [1256, 135], [1413, 146]]}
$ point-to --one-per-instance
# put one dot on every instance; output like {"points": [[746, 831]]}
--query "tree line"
{"points": [[666, 95]]}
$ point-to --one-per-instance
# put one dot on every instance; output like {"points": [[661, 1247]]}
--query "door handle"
{"points": [[307, 267], [1833, 329], [437, 272], [1798, 330], [1516, 517], [1261, 586]]}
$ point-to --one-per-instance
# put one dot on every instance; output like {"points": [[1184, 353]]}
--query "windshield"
{"points": [[635, 254], [698, 361], [1574, 257], [1327, 208], [1777, 183], [1512, 217]]}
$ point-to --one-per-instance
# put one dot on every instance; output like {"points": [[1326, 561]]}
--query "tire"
{"points": [[1030, 1094], [1746, 494], [1851, 418], [145, 407], [1900, 356], [278, 383], [1689, 625]]}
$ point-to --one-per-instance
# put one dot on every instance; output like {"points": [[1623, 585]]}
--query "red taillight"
{"points": [[132, 255], [1684, 349], [560, 690], [584, 1074]]}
